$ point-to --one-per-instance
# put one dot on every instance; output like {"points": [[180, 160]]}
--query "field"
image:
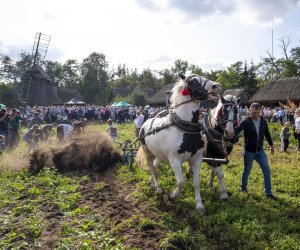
{"points": [[119, 210]]}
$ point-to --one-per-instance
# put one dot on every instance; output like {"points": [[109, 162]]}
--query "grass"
{"points": [[32, 206]]}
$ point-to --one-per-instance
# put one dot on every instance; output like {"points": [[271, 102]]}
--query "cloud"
{"points": [[159, 59], [195, 9], [14, 51], [248, 11], [147, 4]]}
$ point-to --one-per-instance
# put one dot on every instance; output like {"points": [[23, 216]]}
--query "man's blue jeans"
{"points": [[262, 160]]}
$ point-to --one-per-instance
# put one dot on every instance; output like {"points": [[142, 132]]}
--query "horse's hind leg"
{"points": [[153, 165], [212, 176], [220, 175]]}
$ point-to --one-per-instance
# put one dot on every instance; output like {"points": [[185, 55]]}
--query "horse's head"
{"points": [[200, 88], [228, 114]]}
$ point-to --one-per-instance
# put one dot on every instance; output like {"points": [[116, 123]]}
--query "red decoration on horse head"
{"points": [[185, 92]]}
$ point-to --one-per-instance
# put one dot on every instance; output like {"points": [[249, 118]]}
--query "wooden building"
{"points": [[278, 90]]}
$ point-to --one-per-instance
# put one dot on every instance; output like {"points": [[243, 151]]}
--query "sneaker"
{"points": [[271, 196], [244, 190]]}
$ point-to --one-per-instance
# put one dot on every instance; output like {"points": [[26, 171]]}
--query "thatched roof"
{"points": [[121, 91], [160, 97], [280, 90], [239, 93]]}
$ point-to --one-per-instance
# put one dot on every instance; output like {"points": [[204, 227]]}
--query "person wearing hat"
{"points": [[14, 127], [4, 128]]}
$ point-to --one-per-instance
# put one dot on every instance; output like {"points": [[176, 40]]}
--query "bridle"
{"points": [[196, 90], [223, 119]]}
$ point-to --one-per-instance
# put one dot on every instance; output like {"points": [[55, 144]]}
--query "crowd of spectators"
{"points": [[45, 118]]}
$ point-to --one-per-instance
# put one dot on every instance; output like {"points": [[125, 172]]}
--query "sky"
{"points": [[212, 34]]}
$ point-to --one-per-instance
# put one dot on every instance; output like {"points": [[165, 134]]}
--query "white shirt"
{"points": [[297, 123], [139, 121], [67, 130]]}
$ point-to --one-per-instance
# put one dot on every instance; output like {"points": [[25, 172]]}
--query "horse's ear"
{"points": [[222, 99], [238, 100], [182, 76]]}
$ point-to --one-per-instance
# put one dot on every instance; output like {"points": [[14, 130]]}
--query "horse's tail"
{"points": [[143, 156]]}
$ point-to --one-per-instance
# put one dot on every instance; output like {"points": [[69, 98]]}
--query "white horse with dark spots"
{"points": [[221, 122], [178, 137]]}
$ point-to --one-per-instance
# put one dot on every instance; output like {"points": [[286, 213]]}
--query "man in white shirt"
{"points": [[138, 122]]}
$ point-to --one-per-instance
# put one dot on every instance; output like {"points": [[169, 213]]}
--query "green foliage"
{"points": [[94, 73], [246, 221], [8, 95]]}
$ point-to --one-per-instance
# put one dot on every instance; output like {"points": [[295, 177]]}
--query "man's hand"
{"points": [[272, 150]]}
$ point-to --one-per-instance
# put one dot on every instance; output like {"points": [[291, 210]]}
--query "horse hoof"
{"points": [[159, 191], [171, 197], [224, 199], [203, 212]]}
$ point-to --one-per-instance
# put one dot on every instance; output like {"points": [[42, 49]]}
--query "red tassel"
{"points": [[185, 92], [236, 123]]}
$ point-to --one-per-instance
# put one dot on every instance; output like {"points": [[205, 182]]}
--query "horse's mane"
{"points": [[179, 85]]}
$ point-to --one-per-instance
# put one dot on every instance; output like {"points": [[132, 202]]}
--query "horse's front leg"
{"points": [[196, 180], [176, 166], [220, 174]]}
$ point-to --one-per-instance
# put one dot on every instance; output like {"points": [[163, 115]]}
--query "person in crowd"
{"points": [[2, 143], [35, 120], [14, 127], [138, 122], [297, 127], [46, 131], [79, 126], [255, 129], [112, 130], [4, 127], [285, 136], [63, 132], [145, 114], [28, 137]]}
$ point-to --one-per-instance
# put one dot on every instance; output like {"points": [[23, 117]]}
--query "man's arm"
{"points": [[269, 138], [239, 128]]}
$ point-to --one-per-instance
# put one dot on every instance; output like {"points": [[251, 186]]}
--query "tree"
{"points": [[54, 70], [195, 69], [7, 69], [8, 94], [287, 66], [180, 66], [167, 77], [94, 74], [232, 77], [148, 79], [70, 78]]}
